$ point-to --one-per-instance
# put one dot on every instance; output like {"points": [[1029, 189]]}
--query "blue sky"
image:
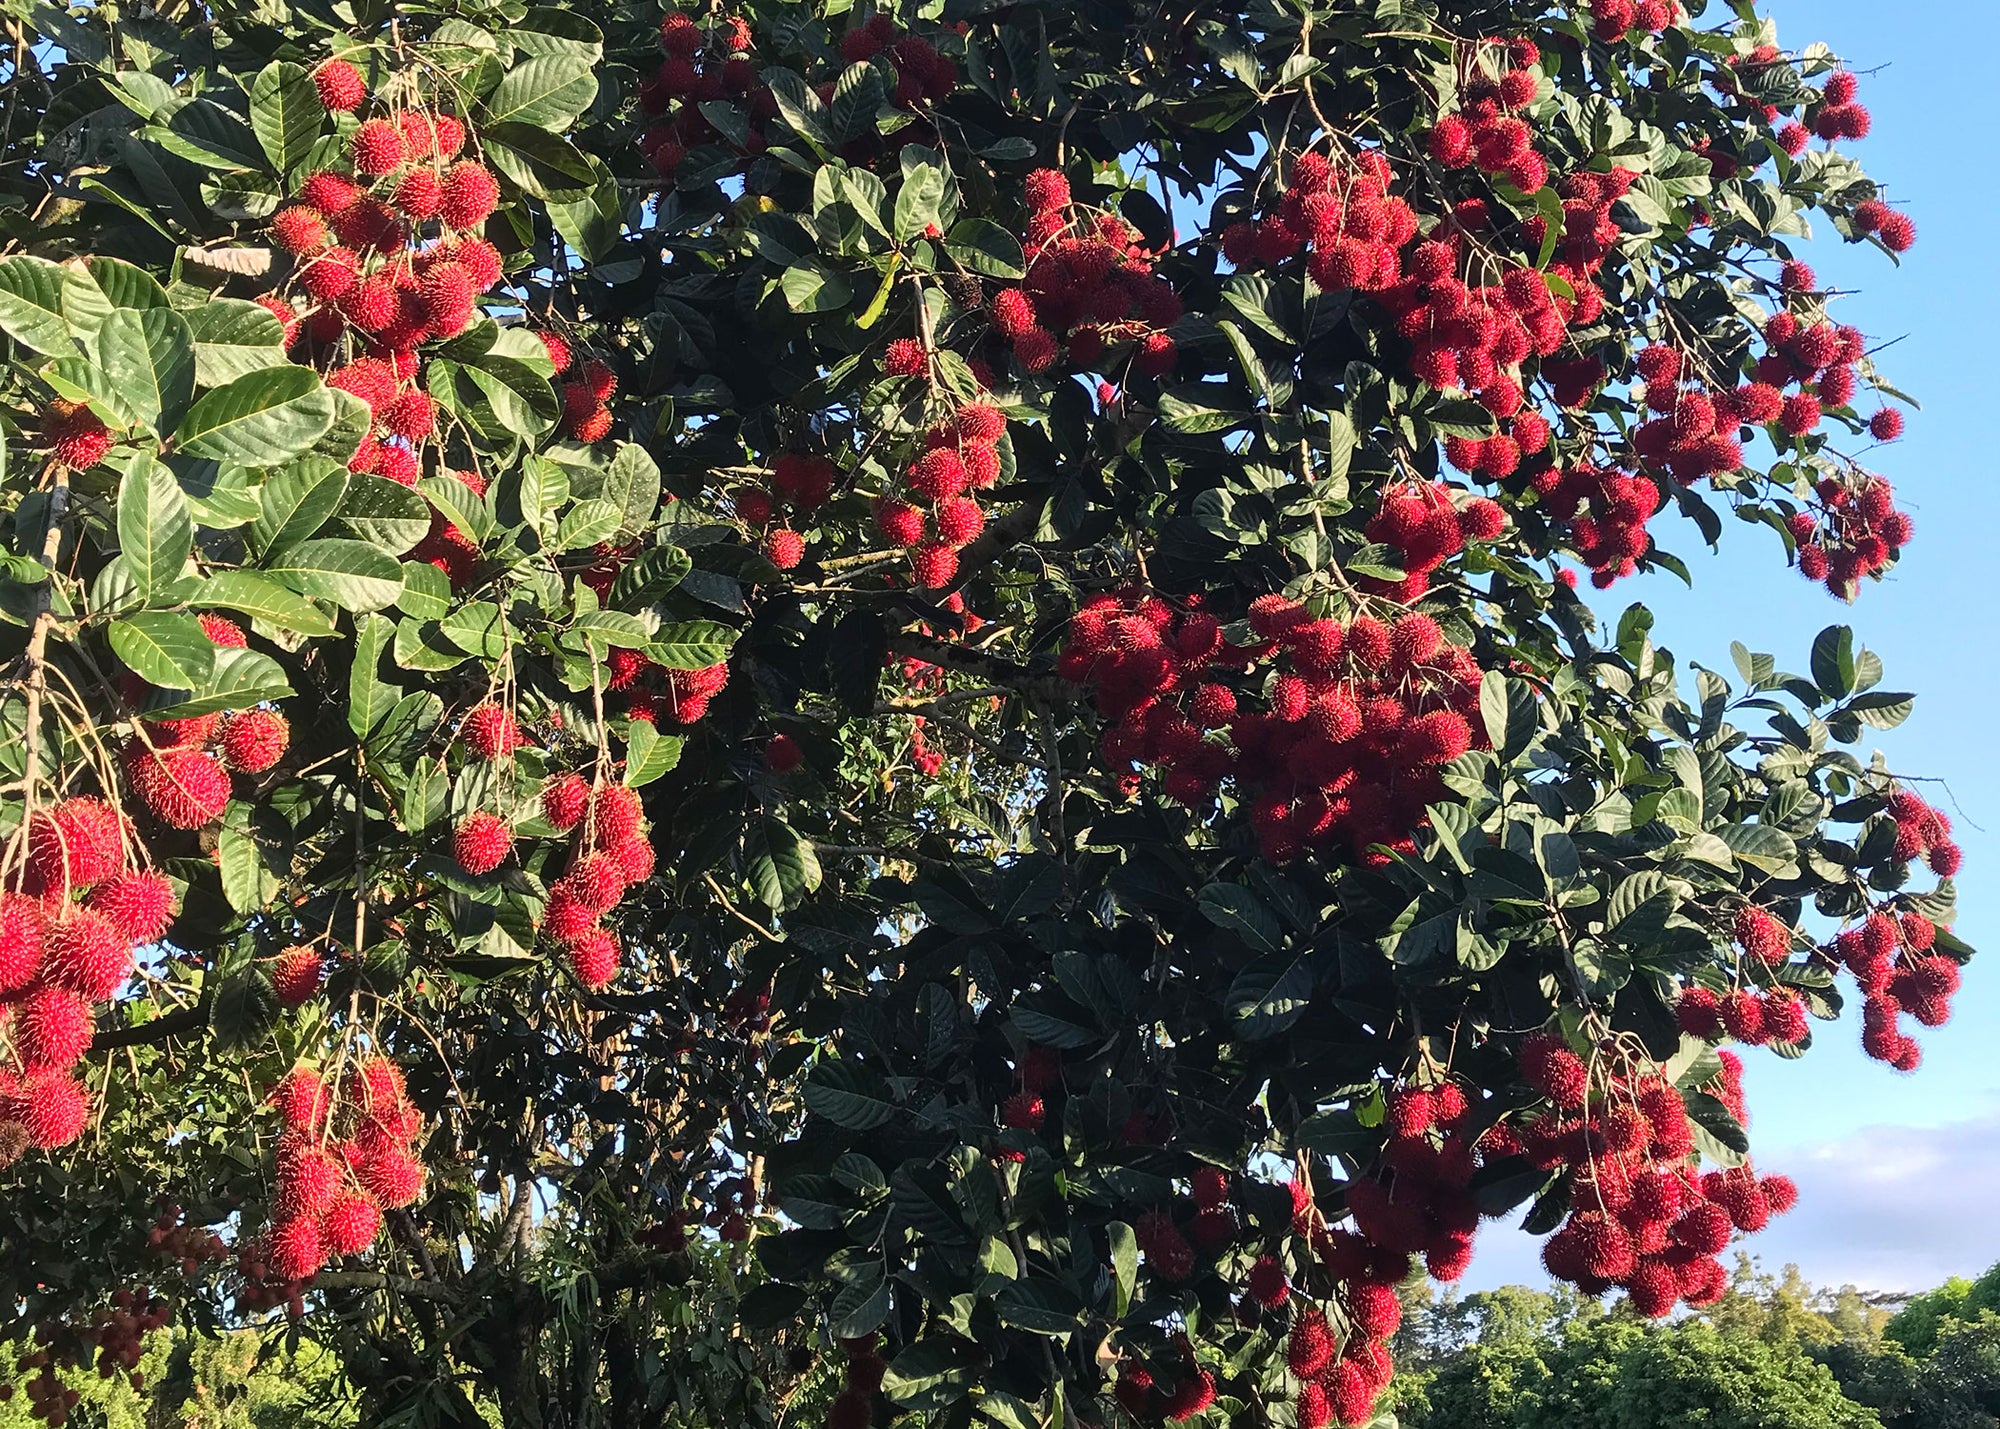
{"points": [[1900, 1173]]}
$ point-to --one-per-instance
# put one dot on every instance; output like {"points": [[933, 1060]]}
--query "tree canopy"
{"points": [[795, 713]]}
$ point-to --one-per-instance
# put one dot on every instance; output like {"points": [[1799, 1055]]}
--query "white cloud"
{"points": [[1886, 1208]]}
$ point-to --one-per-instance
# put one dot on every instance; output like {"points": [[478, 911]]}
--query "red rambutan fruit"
{"points": [[481, 842], [254, 740], [139, 905], [296, 974]]}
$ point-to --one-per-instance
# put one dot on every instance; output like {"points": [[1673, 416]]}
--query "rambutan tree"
{"points": [[863, 716]]}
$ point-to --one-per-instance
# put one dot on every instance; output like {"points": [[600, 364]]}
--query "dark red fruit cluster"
{"points": [[1642, 1215], [1423, 523], [861, 1381], [77, 906], [1090, 287], [1344, 219], [703, 63], [1856, 532], [344, 1156], [801, 486], [191, 1245], [586, 393], [609, 854], [933, 513], [921, 72], [1613, 20], [1360, 716], [1188, 1391], [1894, 959], [114, 1339], [1605, 511]]}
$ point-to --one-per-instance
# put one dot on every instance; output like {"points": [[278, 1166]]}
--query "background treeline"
{"points": [[1776, 1353]]}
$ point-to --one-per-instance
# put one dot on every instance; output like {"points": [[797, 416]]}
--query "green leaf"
{"points": [[691, 645], [849, 1095], [1510, 711], [782, 866], [383, 513], [262, 418], [352, 574], [858, 95], [148, 357], [262, 599], [295, 503], [592, 225], [803, 109], [1268, 997], [1759, 845], [285, 114], [546, 91], [31, 303], [1717, 1135], [649, 754], [632, 485], [1124, 1265], [1236, 908], [588, 523], [369, 696], [240, 679], [242, 1010], [165, 648], [232, 337], [920, 201], [986, 247], [477, 628], [247, 884], [538, 163], [1833, 661], [813, 289], [649, 575], [155, 531]]}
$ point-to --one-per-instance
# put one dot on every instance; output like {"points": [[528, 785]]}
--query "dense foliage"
{"points": [[792, 713]]}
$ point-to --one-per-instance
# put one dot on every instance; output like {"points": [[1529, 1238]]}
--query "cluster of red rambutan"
{"points": [[1613, 20], [1857, 531], [1360, 715], [922, 73], [1606, 512], [114, 1337], [1090, 286], [586, 395], [1487, 133], [1693, 431], [703, 63], [75, 909], [861, 1381], [609, 854], [802, 485], [1344, 218], [1894, 959], [1422, 522], [1642, 1215], [344, 1157], [933, 514], [1144, 1397], [179, 768], [172, 1239]]}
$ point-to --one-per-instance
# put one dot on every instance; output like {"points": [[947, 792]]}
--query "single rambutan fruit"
{"points": [[1267, 1283], [782, 754], [933, 565], [83, 951], [351, 1224], [22, 929], [76, 843], [297, 1248], [393, 1177], [184, 788], [377, 148], [902, 523], [481, 842], [339, 86], [52, 1028], [615, 815], [296, 974], [299, 229], [905, 357], [52, 1107], [1309, 1347], [784, 548], [140, 905], [597, 882], [254, 740], [76, 436], [490, 731], [594, 957], [470, 194], [564, 799], [1023, 1111]]}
